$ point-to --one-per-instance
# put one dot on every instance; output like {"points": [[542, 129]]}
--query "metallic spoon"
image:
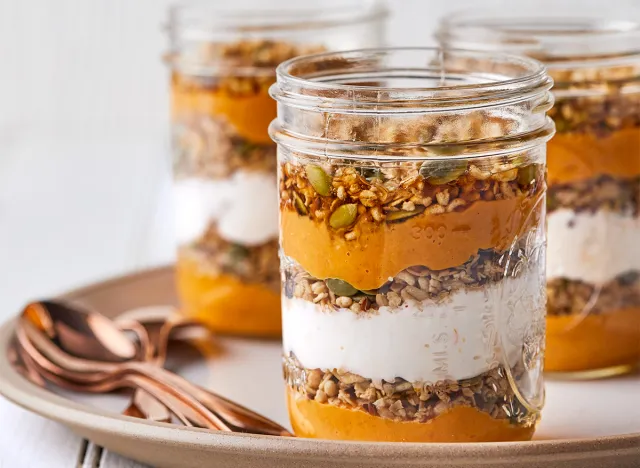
{"points": [[234, 416], [45, 369], [75, 329], [159, 323], [42, 349]]}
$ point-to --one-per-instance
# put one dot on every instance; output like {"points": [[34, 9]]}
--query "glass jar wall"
{"points": [[223, 61], [412, 243], [593, 325]]}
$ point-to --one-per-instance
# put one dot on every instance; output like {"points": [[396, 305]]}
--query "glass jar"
{"points": [[225, 191], [593, 265], [412, 243]]}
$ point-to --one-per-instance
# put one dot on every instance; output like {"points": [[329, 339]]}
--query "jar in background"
{"points": [[593, 264], [412, 243], [223, 61]]}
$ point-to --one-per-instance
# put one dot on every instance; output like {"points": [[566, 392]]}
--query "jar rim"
{"points": [[202, 20], [558, 37], [317, 88]]}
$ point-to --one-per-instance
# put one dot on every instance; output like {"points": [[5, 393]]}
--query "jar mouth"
{"points": [[201, 20], [405, 79], [556, 37]]}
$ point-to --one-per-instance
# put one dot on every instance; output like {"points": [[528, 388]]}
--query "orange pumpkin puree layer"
{"points": [[382, 251], [249, 114], [598, 342], [226, 304], [575, 157], [462, 424]]}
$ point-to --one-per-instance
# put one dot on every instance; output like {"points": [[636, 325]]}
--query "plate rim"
{"points": [[20, 391]]}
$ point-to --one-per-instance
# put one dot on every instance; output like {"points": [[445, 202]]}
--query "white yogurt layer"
{"points": [[454, 340], [591, 247], [245, 207]]}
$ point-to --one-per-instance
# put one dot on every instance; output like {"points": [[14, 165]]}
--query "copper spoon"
{"points": [[37, 345], [159, 323], [237, 417], [101, 382], [94, 335], [44, 368], [77, 330]]}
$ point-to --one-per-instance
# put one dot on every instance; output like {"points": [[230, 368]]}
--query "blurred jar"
{"points": [[412, 234], [223, 61], [593, 264]]}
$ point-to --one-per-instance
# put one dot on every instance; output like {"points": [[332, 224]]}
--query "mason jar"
{"points": [[223, 61], [412, 207], [593, 265]]}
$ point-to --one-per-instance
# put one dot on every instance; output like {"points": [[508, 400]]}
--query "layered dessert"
{"points": [[225, 186], [413, 296], [593, 265]]}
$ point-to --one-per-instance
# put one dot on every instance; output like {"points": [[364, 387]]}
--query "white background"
{"points": [[84, 166]]}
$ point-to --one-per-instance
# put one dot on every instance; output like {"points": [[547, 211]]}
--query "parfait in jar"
{"points": [[225, 187], [593, 272], [412, 245]]}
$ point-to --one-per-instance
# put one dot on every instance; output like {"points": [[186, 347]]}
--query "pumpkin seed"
{"points": [[442, 172], [340, 287], [397, 216], [320, 180], [369, 292], [299, 204], [526, 175], [344, 216]]}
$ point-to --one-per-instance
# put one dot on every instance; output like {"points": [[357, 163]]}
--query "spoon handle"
{"points": [[41, 349], [234, 414]]}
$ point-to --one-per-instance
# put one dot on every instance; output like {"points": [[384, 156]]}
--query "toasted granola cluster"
{"points": [[598, 193], [599, 115], [344, 196], [401, 400], [208, 146], [251, 264], [415, 284], [567, 297], [244, 67]]}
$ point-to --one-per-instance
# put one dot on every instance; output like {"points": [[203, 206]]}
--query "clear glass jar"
{"points": [[412, 243], [593, 265], [223, 61]]}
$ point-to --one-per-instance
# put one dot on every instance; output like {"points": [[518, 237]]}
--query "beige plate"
{"points": [[587, 424]]}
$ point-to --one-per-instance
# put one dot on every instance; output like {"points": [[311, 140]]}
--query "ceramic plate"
{"points": [[584, 424]]}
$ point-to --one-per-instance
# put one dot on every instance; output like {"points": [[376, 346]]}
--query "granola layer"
{"points": [[620, 195], [403, 401], [207, 146], [216, 255], [414, 284], [391, 195], [599, 115], [571, 297]]}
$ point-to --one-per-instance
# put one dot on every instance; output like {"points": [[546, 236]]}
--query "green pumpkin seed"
{"points": [[340, 288], [526, 175], [442, 172], [369, 292], [320, 180], [397, 216], [299, 204], [344, 216]]}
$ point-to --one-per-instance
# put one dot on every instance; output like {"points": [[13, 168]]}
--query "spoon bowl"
{"points": [[80, 332]]}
